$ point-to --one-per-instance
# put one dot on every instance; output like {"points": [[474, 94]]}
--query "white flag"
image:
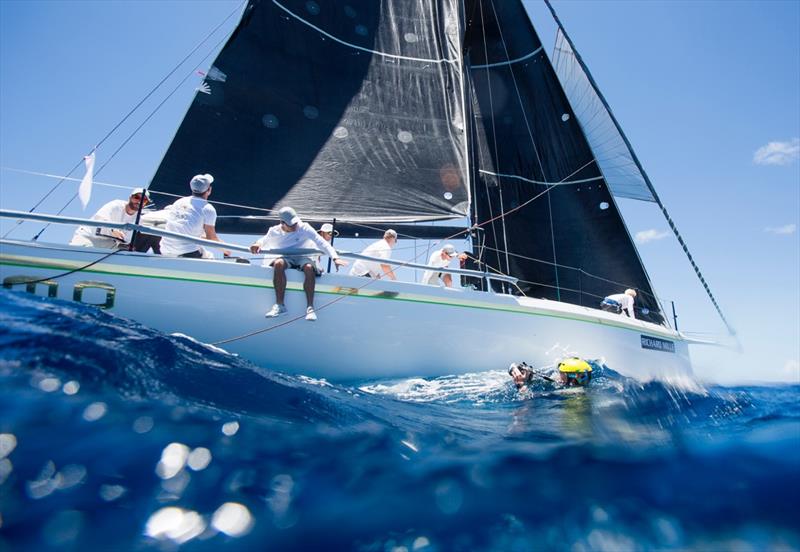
{"points": [[85, 188]]}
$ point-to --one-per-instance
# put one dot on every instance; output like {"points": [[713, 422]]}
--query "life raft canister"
{"points": [[575, 371]]}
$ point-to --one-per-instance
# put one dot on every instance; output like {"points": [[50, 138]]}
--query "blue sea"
{"points": [[116, 437]]}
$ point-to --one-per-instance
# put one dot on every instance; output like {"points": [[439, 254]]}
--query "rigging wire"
{"points": [[533, 145], [125, 118], [128, 187], [494, 140], [641, 169]]}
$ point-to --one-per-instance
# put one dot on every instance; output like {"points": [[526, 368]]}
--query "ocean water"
{"points": [[117, 437]]}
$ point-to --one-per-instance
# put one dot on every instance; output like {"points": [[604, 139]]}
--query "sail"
{"points": [[614, 156], [353, 110], [562, 234]]}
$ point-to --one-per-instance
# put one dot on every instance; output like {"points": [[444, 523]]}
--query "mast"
{"points": [[635, 158]]}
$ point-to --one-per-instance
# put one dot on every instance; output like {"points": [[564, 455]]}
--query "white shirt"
{"points": [[113, 211], [431, 277], [187, 216], [277, 238], [626, 301], [380, 249]]}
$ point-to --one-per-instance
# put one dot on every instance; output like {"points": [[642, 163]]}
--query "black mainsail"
{"points": [[404, 111], [351, 110]]}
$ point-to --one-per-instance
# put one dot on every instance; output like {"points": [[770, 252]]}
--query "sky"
{"points": [[707, 92]]}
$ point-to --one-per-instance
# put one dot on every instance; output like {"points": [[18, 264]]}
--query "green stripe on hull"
{"points": [[122, 270]]}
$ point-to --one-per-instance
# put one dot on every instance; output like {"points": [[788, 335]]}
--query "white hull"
{"points": [[385, 329]]}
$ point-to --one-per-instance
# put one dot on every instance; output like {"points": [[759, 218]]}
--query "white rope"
{"points": [[562, 183], [509, 62]]}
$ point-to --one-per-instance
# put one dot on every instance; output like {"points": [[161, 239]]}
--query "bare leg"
{"points": [[447, 279], [279, 280], [309, 283]]}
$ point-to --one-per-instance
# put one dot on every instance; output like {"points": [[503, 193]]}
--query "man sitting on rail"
{"points": [[117, 210], [293, 233]]}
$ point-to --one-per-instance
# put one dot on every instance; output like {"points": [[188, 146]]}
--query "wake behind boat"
{"points": [[396, 114]]}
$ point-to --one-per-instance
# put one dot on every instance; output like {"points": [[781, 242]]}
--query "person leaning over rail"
{"points": [[440, 259], [620, 302], [117, 210], [192, 216], [327, 233], [293, 233], [381, 249]]}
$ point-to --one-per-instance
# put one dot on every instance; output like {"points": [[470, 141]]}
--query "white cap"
{"points": [[449, 250], [390, 234], [200, 183], [141, 191], [328, 227], [288, 216]]}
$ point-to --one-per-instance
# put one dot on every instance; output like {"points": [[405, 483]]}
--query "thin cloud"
{"points": [[646, 236], [781, 230], [791, 368], [778, 153]]}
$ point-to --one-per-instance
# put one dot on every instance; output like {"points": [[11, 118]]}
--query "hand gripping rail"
{"points": [[58, 219]]}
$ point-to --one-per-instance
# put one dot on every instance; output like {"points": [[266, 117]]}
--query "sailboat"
{"points": [[437, 118]]}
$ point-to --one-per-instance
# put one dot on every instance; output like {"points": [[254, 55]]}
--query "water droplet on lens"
{"points": [[109, 493], [604, 205], [312, 7], [199, 458], [362, 30], [8, 442], [175, 524], [270, 121], [95, 411], [405, 136], [311, 112], [173, 459], [341, 132], [143, 424], [565, 117], [48, 385], [449, 497], [411, 37], [448, 196], [230, 428], [233, 519]]}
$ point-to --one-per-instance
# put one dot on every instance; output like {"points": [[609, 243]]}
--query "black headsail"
{"points": [[351, 110], [567, 240]]}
